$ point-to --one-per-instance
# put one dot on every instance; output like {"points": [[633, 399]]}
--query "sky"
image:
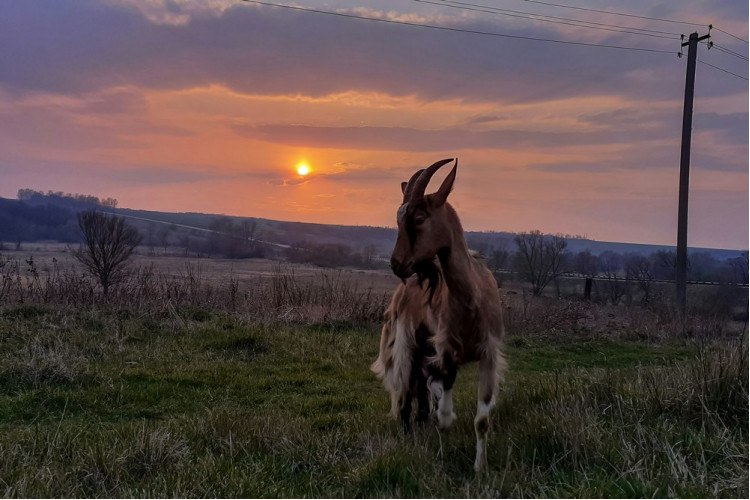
{"points": [[210, 106]]}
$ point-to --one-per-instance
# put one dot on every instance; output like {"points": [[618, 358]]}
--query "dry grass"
{"points": [[203, 381], [256, 289]]}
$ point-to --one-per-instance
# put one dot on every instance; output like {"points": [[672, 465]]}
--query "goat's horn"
{"points": [[417, 190], [410, 185]]}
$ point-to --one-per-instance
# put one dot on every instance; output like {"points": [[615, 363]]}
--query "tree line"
{"points": [[538, 258], [541, 259]]}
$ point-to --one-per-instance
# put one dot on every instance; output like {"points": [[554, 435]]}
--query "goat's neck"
{"points": [[456, 263]]}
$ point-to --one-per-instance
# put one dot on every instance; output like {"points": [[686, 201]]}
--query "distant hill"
{"points": [[53, 217]]}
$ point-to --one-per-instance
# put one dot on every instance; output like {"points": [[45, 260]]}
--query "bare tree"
{"points": [[665, 263], [248, 229], [498, 257], [540, 257], [163, 237], [611, 265], [369, 254], [107, 245], [585, 263], [640, 268], [739, 268]]}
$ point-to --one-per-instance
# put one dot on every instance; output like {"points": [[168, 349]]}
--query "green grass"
{"points": [[116, 404]]}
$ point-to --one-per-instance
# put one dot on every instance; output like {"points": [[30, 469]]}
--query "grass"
{"points": [[195, 402]]}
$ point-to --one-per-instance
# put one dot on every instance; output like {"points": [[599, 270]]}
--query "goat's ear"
{"points": [[445, 188], [403, 187]]}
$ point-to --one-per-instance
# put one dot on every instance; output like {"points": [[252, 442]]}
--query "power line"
{"points": [[634, 16], [552, 19], [614, 13], [452, 29], [727, 51], [733, 36], [722, 69]]}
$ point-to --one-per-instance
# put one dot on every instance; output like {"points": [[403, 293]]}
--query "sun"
{"points": [[303, 170]]}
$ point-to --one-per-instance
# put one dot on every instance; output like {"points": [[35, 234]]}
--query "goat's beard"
{"points": [[428, 270]]}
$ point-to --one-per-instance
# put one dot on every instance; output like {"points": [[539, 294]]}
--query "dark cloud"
{"points": [[418, 140], [82, 46], [651, 156], [733, 127], [582, 166], [640, 117], [484, 119], [288, 181], [57, 125], [116, 102], [54, 128]]}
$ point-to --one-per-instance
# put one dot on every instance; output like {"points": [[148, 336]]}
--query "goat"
{"points": [[446, 312]]}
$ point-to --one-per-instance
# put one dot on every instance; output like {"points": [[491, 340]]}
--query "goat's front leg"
{"points": [[405, 411], [441, 387], [423, 400]]}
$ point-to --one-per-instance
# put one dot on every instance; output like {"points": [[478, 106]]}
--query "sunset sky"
{"points": [[211, 106]]}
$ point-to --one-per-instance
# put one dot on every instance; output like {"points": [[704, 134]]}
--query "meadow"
{"points": [[251, 379]]}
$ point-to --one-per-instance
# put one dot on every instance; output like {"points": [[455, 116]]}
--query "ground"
{"points": [[189, 396]]}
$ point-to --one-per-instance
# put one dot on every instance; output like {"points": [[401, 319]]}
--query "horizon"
{"points": [[567, 236], [211, 108]]}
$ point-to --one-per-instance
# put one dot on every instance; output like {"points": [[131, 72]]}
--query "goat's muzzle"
{"points": [[401, 270]]}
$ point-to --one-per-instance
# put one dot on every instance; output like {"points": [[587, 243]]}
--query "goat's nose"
{"points": [[394, 263]]}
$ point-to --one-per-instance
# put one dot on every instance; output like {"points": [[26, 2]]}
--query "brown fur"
{"points": [[458, 309]]}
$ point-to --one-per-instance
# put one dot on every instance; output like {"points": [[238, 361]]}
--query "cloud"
{"points": [[178, 12], [419, 140], [480, 120], [732, 126], [164, 98], [288, 181], [115, 101], [571, 166], [278, 51], [93, 121]]}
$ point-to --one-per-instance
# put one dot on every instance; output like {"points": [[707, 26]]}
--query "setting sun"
{"points": [[303, 169]]}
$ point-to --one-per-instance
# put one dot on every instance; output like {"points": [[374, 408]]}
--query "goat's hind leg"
{"points": [[490, 373], [418, 388], [421, 370], [423, 400], [405, 411]]}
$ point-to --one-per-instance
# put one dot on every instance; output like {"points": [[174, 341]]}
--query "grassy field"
{"points": [[170, 389]]}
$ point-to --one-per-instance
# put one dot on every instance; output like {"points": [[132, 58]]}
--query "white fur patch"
{"points": [[445, 413], [402, 358], [483, 409], [479, 460]]}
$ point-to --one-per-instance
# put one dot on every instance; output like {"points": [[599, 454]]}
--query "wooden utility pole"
{"points": [[682, 214]]}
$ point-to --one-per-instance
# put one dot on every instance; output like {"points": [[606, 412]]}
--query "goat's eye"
{"points": [[419, 219]]}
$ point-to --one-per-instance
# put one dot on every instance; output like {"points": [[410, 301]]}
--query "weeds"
{"points": [[146, 290], [181, 385]]}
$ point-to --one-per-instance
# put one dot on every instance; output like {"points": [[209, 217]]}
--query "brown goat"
{"points": [[446, 312]]}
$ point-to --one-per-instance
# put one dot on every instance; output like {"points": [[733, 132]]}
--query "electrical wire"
{"points": [[614, 13], [634, 16], [727, 51], [722, 69], [455, 30], [733, 36], [468, 4], [552, 19]]}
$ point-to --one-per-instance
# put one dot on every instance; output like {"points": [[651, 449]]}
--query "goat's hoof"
{"points": [[480, 461]]}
